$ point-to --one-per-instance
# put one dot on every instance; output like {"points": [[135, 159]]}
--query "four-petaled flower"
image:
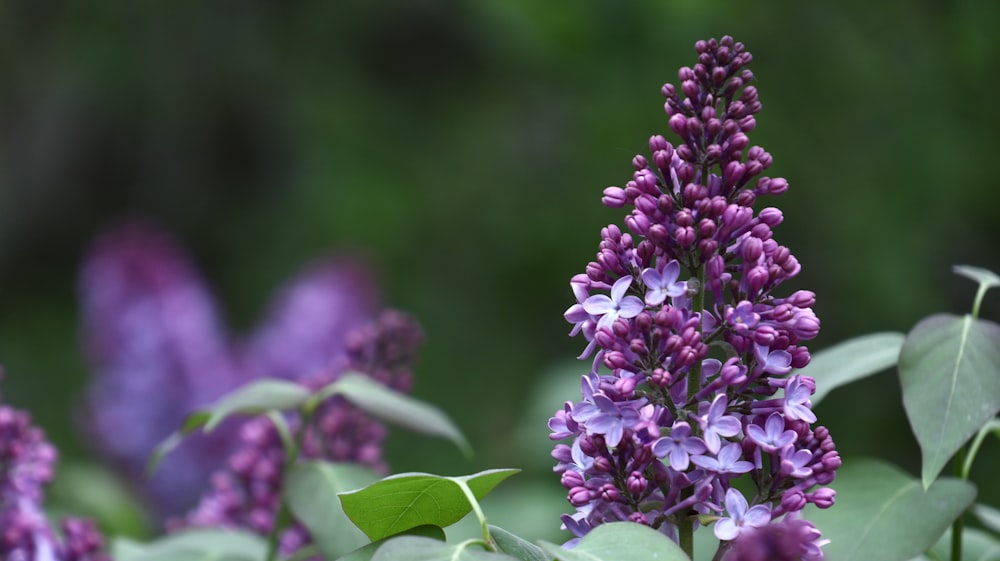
{"points": [[795, 463], [797, 406], [604, 416], [727, 461], [617, 305], [678, 446], [661, 284], [773, 362], [773, 437], [742, 317], [715, 424], [741, 516]]}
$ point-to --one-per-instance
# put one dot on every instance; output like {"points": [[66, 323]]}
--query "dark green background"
{"points": [[464, 146]]}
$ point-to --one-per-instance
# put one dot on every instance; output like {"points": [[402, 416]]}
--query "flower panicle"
{"points": [[693, 380]]}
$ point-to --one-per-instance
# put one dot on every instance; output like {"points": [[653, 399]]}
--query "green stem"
{"points": [[958, 525], [293, 448], [697, 305], [479, 515], [685, 531], [980, 292]]}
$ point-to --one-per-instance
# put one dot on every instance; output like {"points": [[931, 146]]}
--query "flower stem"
{"points": [[958, 525], [685, 533]]}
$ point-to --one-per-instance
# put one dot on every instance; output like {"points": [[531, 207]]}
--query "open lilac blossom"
{"points": [[741, 516], [707, 357], [678, 446], [27, 461], [727, 462], [246, 493], [608, 309], [773, 437], [663, 284], [158, 349]]}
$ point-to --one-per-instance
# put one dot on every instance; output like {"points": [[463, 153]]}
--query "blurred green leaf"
{"points": [[366, 552], [91, 488], [976, 546], [392, 406], [619, 541], [407, 500], [882, 514], [984, 277], [311, 490], [257, 397], [988, 516], [194, 545], [949, 369], [852, 360], [517, 546], [411, 548]]}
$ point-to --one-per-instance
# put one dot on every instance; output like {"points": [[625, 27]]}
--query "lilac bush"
{"points": [[247, 493], [27, 462], [691, 385], [158, 349]]}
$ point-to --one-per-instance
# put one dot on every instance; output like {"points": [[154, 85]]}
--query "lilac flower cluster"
{"points": [[158, 349], [699, 387], [248, 493], [26, 466]]}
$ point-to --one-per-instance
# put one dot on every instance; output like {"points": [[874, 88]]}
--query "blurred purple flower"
{"points": [[158, 350]]}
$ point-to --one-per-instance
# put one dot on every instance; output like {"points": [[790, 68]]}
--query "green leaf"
{"points": [[882, 514], [988, 517], [411, 548], [407, 500], [365, 553], [852, 360], [619, 541], [984, 277], [194, 545], [517, 546], [949, 369], [257, 397], [394, 407], [191, 423], [976, 546], [311, 490]]}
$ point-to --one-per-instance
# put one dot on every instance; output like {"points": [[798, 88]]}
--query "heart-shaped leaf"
{"points": [[311, 490], [949, 368], [882, 514], [619, 541], [411, 548], [852, 360], [393, 407], [407, 500]]}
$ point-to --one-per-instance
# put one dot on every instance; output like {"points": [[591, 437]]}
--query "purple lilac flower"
{"points": [[27, 461], [793, 539], [698, 268], [741, 516], [158, 350], [246, 494]]}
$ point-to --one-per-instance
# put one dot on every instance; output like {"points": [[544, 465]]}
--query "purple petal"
{"points": [[736, 504], [757, 516], [631, 306], [620, 288], [599, 304], [726, 529]]}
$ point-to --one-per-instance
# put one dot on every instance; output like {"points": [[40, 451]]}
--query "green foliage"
{"points": [[882, 514], [194, 545], [366, 552], [516, 546], [311, 490], [392, 406], [619, 541], [852, 360], [948, 371], [411, 548], [400, 502]]}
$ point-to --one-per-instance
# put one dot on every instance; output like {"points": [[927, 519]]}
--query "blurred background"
{"points": [[463, 146]]}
